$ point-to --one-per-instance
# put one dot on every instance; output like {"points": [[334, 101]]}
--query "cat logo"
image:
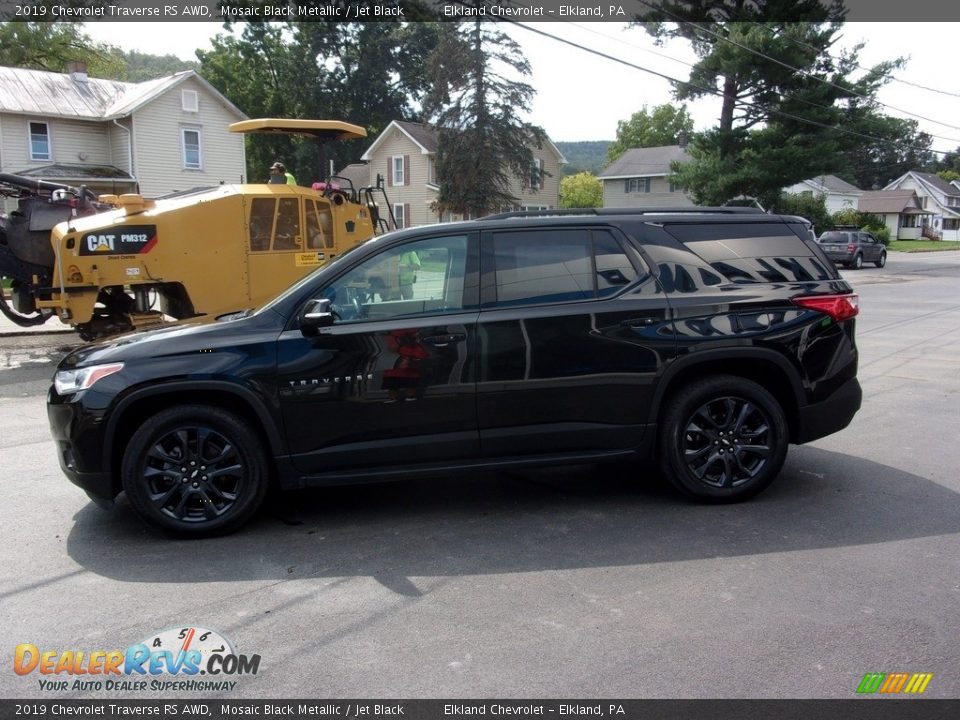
{"points": [[100, 243]]}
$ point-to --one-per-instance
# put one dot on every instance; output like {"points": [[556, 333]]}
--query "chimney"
{"points": [[682, 139], [77, 71]]}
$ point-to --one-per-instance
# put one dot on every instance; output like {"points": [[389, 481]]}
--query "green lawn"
{"points": [[922, 245]]}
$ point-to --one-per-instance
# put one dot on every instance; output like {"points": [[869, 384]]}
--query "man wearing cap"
{"points": [[280, 176]]}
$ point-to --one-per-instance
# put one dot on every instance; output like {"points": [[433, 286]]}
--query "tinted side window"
{"points": [[425, 276], [614, 269], [560, 265], [543, 266]]}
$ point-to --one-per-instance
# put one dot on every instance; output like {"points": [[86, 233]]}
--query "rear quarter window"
{"points": [[751, 252]]}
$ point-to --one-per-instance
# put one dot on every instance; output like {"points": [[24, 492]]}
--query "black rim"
{"points": [[727, 442], [194, 474]]}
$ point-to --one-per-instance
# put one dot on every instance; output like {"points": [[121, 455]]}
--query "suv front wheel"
{"points": [[195, 470], [723, 438]]}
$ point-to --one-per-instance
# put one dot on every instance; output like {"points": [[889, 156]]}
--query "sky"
{"points": [[581, 96]]}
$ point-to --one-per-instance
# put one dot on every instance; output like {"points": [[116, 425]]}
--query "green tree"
{"points": [[583, 190], [476, 106], [787, 103], [364, 73], [51, 45], [872, 164], [949, 175], [806, 205], [663, 125]]}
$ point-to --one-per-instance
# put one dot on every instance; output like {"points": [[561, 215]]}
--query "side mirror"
{"points": [[317, 314]]}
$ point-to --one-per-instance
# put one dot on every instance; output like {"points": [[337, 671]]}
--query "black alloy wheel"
{"points": [[724, 438], [195, 470]]}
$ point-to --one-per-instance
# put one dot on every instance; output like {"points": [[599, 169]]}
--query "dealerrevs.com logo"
{"points": [[170, 660]]}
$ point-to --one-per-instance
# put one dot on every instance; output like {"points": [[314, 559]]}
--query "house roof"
{"points": [[890, 201], [644, 162], [50, 94], [834, 184], [427, 139], [932, 181], [358, 174], [78, 172]]}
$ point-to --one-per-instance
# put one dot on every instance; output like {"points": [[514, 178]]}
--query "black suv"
{"points": [[853, 248], [707, 338]]}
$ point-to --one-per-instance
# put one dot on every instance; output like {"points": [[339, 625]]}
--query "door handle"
{"points": [[639, 322], [444, 340]]}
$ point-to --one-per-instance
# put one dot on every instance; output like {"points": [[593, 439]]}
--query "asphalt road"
{"points": [[573, 583]]}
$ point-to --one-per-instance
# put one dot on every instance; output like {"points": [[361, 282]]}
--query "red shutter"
{"points": [[406, 212], [389, 172], [406, 169]]}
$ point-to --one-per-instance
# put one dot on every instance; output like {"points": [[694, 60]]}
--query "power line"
{"points": [[684, 62], [714, 91], [894, 78], [791, 67]]}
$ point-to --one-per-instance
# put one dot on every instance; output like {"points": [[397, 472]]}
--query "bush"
{"points": [[808, 206], [881, 233]]}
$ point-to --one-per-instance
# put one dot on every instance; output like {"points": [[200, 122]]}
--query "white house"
{"points": [[639, 178], [157, 137], [938, 196], [405, 154], [837, 194]]}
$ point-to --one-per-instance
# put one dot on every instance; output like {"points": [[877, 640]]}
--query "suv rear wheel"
{"points": [[857, 262], [195, 470], [723, 438]]}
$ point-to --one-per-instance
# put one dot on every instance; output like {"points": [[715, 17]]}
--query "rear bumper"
{"points": [[830, 415]]}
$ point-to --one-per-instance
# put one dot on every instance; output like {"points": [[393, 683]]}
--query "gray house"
{"points": [[639, 178], [157, 137]]}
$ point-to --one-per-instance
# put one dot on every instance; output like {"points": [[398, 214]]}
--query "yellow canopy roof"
{"points": [[324, 129]]}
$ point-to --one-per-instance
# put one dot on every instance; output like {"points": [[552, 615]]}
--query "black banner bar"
{"points": [[410, 10], [854, 709]]}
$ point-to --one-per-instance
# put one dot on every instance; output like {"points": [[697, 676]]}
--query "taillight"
{"points": [[839, 307], [851, 248]]}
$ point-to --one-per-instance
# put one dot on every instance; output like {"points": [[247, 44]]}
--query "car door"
{"points": [[571, 334], [871, 248], [390, 381]]}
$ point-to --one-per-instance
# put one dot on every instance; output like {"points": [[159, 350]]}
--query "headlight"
{"points": [[70, 381]]}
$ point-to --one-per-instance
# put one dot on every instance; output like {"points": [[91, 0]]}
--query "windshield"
{"points": [[833, 237]]}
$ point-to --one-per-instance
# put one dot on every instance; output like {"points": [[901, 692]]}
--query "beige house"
{"points": [[158, 137], [901, 210], [404, 154], [640, 178]]}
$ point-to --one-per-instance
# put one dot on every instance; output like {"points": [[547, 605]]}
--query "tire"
{"points": [[711, 436], [881, 261], [857, 262], [179, 498]]}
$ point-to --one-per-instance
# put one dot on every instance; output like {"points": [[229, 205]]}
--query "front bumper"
{"points": [[830, 415], [80, 462]]}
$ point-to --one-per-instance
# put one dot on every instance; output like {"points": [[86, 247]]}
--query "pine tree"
{"points": [[483, 143]]}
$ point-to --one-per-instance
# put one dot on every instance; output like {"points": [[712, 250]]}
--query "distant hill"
{"points": [[584, 155], [138, 66]]}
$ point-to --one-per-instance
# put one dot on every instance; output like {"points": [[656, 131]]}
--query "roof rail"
{"points": [[567, 212]]}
